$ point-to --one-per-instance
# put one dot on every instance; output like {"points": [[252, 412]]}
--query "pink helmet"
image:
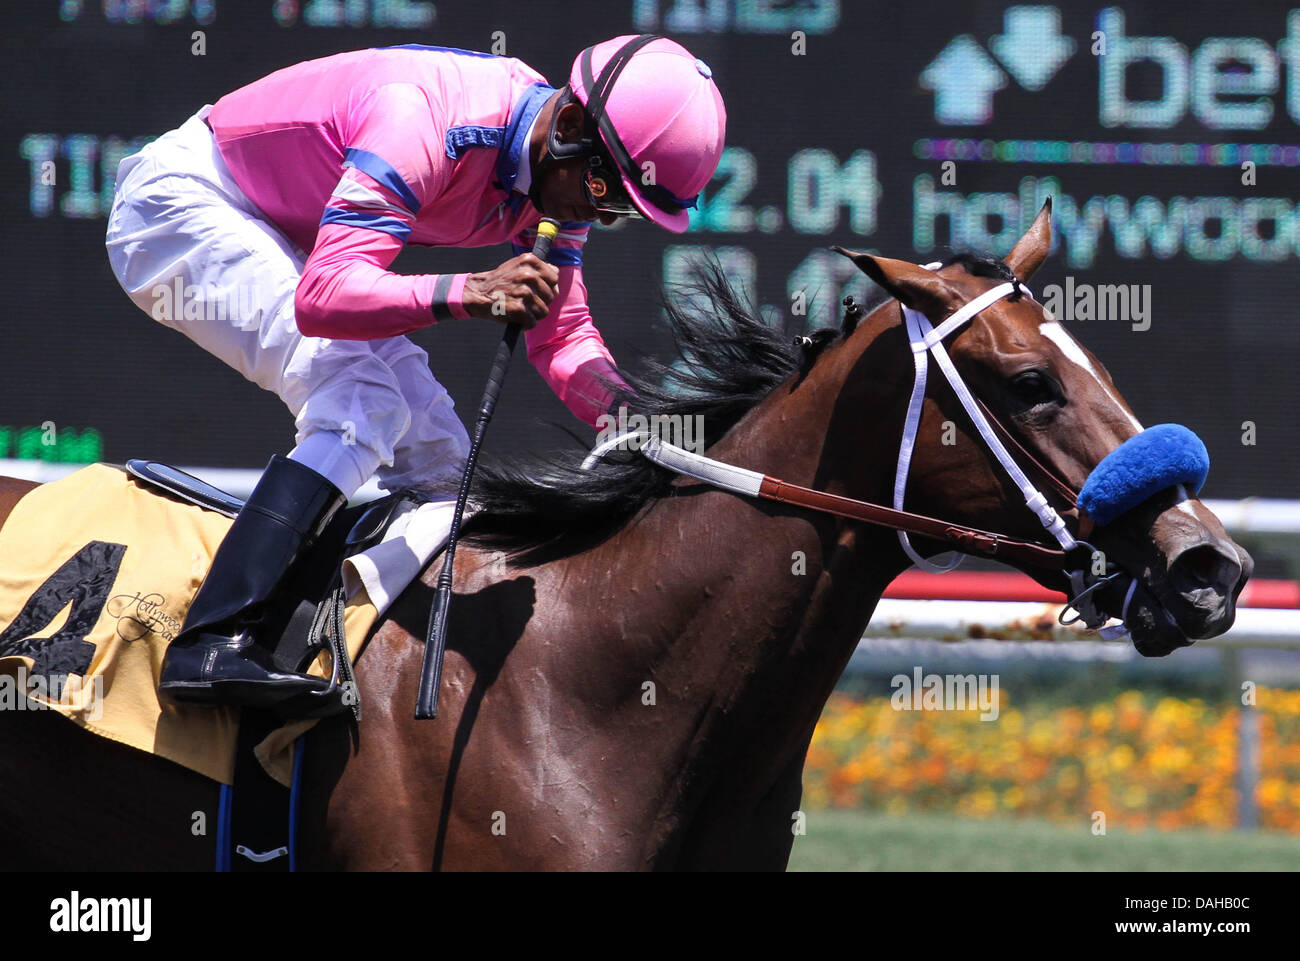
{"points": [[660, 117]]}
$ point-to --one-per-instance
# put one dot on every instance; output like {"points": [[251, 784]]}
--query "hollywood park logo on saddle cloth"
{"points": [[96, 575]]}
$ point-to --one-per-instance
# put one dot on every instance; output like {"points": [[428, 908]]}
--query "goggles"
{"points": [[604, 189]]}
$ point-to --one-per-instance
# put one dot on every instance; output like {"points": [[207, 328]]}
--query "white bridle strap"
{"points": [[927, 339], [915, 404]]}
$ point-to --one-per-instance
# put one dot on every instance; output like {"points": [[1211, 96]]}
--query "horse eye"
{"points": [[1033, 387]]}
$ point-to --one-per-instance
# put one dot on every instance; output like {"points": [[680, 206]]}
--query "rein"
{"points": [[749, 483], [1073, 556]]}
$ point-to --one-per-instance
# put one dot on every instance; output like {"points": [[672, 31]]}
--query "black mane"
{"points": [[727, 359], [987, 267]]}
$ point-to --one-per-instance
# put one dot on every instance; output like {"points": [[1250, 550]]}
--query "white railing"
{"points": [[1257, 515], [1036, 621]]}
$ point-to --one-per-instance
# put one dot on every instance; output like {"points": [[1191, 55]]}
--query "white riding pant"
{"points": [[192, 251]]}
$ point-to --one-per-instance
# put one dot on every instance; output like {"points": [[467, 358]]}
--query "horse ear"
{"points": [[1031, 250], [913, 286]]}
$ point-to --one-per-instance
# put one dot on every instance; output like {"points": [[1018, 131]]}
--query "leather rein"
{"points": [[968, 540]]}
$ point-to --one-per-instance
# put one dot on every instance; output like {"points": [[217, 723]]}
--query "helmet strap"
{"points": [[598, 91], [598, 128], [553, 149]]}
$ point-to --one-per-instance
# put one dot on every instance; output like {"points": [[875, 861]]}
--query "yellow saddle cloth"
{"points": [[96, 576]]}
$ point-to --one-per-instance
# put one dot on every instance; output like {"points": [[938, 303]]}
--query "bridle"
{"points": [[1073, 557], [927, 341]]}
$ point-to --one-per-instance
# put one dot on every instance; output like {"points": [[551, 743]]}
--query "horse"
{"points": [[636, 659]]}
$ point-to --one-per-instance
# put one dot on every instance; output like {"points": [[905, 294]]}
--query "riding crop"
{"points": [[426, 704]]}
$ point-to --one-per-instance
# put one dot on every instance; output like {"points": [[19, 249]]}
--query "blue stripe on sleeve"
{"points": [[380, 170], [560, 256], [565, 257], [357, 218]]}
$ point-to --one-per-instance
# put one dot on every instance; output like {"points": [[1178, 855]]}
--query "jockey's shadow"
{"points": [[484, 627]]}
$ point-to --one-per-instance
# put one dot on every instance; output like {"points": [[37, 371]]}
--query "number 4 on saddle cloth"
{"points": [[97, 571]]}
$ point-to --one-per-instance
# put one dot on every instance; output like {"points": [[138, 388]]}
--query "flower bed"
{"points": [[1145, 761]]}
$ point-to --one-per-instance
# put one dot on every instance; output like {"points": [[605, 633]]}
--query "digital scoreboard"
{"points": [[1165, 132]]}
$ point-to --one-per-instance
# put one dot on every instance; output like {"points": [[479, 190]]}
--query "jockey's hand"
{"points": [[520, 291]]}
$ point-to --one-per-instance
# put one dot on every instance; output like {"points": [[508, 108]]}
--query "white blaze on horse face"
{"points": [[1062, 339], [1182, 504]]}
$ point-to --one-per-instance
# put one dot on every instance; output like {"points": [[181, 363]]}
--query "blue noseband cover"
{"points": [[1142, 467]]}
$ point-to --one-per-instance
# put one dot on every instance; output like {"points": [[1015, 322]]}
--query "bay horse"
{"points": [[637, 660]]}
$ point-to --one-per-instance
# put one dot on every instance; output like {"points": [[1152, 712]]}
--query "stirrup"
{"points": [[341, 693]]}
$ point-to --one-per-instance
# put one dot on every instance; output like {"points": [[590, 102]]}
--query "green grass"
{"points": [[862, 841]]}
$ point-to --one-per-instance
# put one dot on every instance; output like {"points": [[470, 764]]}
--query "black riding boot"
{"points": [[216, 658]]}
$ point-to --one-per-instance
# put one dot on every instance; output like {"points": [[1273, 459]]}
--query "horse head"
{"points": [[1177, 573]]}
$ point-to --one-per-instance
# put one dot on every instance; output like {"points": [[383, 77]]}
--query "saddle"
{"points": [[257, 815], [306, 614], [97, 573]]}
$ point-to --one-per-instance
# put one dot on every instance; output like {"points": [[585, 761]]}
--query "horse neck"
{"points": [[756, 608], [813, 432]]}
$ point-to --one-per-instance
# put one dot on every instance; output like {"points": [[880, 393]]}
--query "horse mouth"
{"points": [[1153, 628], [1195, 599]]}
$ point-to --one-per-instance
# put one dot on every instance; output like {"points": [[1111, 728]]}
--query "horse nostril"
{"points": [[1200, 564], [1204, 566]]}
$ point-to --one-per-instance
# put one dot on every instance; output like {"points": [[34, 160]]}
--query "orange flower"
{"points": [[1168, 762]]}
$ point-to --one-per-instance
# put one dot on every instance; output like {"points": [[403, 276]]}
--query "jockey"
{"points": [[287, 201]]}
